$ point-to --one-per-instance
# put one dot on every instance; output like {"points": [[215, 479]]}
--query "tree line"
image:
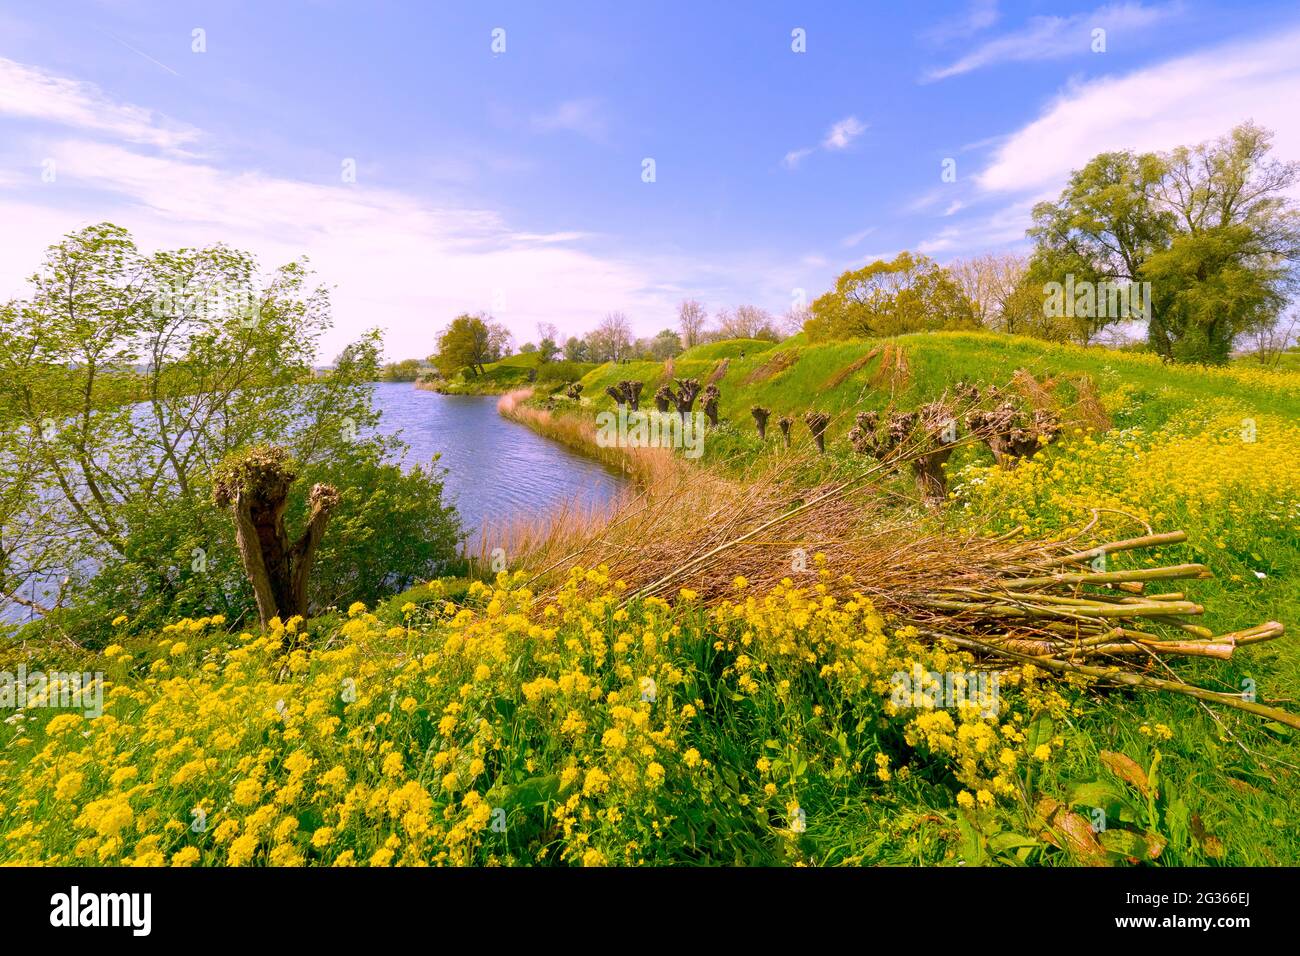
{"points": [[472, 341]]}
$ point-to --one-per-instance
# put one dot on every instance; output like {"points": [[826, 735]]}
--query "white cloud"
{"points": [[1049, 38], [400, 261], [978, 15], [28, 93], [583, 116], [1181, 102], [853, 239], [394, 260], [795, 157], [844, 132], [838, 137]]}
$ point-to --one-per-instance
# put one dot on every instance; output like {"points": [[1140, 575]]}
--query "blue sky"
{"points": [[512, 181]]}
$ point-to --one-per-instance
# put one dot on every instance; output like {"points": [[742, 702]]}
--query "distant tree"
{"points": [[528, 348], [746, 322], [793, 320], [611, 340], [407, 370], [664, 346], [1269, 342], [992, 285], [547, 338], [576, 350], [691, 319], [910, 293], [470, 341]]}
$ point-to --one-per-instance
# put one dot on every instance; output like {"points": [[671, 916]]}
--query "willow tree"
{"points": [[712, 395], [1209, 235], [254, 485], [817, 422]]}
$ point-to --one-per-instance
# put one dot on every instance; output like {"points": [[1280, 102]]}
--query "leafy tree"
{"points": [[664, 346], [548, 337], [407, 370], [1206, 233], [576, 350], [125, 379], [910, 293], [470, 341], [547, 350]]}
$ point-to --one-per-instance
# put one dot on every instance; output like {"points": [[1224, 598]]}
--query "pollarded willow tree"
{"points": [[712, 395], [125, 377], [664, 396], [254, 484], [687, 391]]}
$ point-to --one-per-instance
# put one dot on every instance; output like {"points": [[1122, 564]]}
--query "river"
{"points": [[497, 469]]}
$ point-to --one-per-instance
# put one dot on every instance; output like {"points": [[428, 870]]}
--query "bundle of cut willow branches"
{"points": [[1054, 604]]}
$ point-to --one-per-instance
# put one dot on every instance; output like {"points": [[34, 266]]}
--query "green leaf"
{"points": [[1096, 793], [1039, 731]]}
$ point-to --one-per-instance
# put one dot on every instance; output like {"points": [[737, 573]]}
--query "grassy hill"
{"points": [[512, 372], [841, 377]]}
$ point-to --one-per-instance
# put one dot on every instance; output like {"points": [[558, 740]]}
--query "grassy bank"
{"points": [[512, 372]]}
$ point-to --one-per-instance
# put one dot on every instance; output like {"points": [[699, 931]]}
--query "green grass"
{"points": [[510, 373], [730, 348]]}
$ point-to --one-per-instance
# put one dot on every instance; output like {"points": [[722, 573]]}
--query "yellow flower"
{"points": [[654, 774], [69, 785], [185, 856], [247, 792], [242, 850]]}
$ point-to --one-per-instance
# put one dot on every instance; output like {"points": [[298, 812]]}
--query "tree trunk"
{"points": [[255, 486]]}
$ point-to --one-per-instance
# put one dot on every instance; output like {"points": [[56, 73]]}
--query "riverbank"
{"points": [[578, 433]]}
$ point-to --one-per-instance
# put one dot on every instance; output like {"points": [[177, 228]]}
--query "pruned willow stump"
{"points": [[817, 422], [254, 485], [712, 395], [664, 396], [687, 390], [784, 422]]}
